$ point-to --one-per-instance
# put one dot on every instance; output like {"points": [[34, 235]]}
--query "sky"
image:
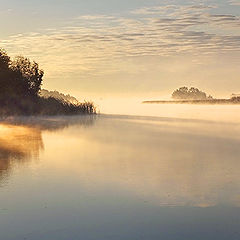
{"points": [[130, 48]]}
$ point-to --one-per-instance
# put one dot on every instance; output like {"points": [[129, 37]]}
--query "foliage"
{"points": [[190, 94], [28, 73], [20, 77], [55, 94], [235, 98], [20, 85]]}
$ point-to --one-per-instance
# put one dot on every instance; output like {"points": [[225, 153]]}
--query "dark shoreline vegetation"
{"points": [[207, 102], [20, 91], [193, 95]]}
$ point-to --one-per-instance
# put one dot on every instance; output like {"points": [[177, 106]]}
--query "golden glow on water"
{"points": [[18, 143], [169, 163], [118, 172]]}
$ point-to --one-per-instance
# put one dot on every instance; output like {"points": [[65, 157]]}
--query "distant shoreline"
{"points": [[202, 102]]}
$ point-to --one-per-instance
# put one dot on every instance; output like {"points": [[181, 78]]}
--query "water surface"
{"points": [[119, 177]]}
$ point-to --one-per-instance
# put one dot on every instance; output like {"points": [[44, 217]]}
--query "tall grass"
{"points": [[13, 106]]}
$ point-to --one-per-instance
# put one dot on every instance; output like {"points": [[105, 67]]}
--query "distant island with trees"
{"points": [[185, 95], [21, 93]]}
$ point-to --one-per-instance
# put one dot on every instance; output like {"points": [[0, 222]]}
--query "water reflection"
{"points": [[18, 143], [119, 177], [169, 162], [21, 138]]}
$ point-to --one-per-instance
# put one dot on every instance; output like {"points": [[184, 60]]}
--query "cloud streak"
{"points": [[88, 42]]}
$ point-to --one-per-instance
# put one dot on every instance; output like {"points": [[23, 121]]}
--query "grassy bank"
{"points": [[40, 106]]}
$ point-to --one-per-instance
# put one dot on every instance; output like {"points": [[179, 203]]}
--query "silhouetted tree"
{"points": [[5, 72], [19, 77], [28, 73], [235, 99], [20, 85], [4, 60], [189, 94]]}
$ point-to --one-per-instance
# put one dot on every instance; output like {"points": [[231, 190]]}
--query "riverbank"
{"points": [[39, 106], [207, 101]]}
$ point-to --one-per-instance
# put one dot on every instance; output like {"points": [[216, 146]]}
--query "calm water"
{"points": [[120, 178]]}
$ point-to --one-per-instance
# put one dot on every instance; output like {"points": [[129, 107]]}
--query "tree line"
{"points": [[20, 85], [185, 93]]}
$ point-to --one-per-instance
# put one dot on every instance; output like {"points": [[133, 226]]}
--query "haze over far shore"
{"points": [[142, 49]]}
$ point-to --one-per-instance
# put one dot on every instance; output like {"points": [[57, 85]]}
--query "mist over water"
{"points": [[134, 106], [122, 177]]}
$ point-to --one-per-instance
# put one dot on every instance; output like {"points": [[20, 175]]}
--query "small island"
{"points": [[185, 95], [21, 93]]}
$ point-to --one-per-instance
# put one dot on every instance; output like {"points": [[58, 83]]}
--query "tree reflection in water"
{"points": [[21, 138]]}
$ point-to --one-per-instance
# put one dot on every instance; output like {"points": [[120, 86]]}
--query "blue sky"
{"points": [[27, 15], [135, 47]]}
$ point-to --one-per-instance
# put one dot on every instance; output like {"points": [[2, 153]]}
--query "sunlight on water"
{"points": [[167, 162], [119, 177], [19, 143]]}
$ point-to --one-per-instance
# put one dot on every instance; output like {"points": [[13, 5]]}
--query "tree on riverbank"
{"points": [[185, 93], [20, 85]]}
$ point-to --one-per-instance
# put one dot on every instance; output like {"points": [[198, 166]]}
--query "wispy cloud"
{"points": [[88, 43]]}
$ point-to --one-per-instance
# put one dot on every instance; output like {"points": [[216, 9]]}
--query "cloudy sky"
{"points": [[143, 48]]}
